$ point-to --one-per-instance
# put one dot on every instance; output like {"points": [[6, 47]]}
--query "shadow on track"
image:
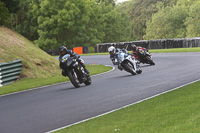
{"points": [[123, 76], [64, 89], [71, 88]]}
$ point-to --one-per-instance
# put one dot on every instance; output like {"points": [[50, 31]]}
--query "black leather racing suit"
{"points": [[77, 56]]}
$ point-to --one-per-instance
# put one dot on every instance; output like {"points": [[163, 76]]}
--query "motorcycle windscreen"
{"points": [[65, 57]]}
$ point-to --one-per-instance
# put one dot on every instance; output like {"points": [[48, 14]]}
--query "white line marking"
{"points": [[123, 107], [113, 68]]}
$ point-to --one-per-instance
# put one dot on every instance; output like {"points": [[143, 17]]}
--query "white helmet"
{"points": [[111, 50]]}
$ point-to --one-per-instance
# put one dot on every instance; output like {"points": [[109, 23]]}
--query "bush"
{"points": [[91, 49]]}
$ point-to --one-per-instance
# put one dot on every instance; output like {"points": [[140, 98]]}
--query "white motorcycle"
{"points": [[128, 63]]}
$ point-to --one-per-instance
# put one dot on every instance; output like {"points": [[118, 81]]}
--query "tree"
{"points": [[62, 23], [24, 20], [117, 27], [78, 23], [12, 5], [4, 14], [167, 23], [140, 13], [193, 21], [107, 2]]}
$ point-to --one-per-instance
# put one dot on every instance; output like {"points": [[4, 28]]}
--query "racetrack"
{"points": [[52, 107]]}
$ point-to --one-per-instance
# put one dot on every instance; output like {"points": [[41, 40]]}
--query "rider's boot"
{"points": [[120, 67]]}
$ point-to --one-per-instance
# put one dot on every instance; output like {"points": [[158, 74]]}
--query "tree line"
{"points": [[162, 19], [52, 23]]}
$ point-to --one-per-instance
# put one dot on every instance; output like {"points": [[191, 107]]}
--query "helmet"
{"points": [[63, 50], [111, 50], [133, 47]]}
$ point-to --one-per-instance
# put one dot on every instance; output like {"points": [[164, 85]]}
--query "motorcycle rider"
{"points": [[113, 55], [135, 50], [63, 51]]}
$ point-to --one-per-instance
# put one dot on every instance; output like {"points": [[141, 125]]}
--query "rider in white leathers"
{"points": [[113, 55]]}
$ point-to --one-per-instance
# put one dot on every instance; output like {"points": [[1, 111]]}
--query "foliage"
{"points": [[4, 13], [24, 21], [140, 14], [193, 21], [62, 22], [107, 2], [12, 5], [167, 23], [51, 23], [178, 21], [116, 24]]}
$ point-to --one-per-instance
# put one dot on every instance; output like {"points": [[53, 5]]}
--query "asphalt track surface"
{"points": [[48, 108]]}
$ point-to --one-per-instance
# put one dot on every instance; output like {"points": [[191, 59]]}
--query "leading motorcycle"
{"points": [[75, 71], [128, 63]]}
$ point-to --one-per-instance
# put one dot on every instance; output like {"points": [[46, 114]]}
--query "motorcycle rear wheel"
{"points": [[74, 79]]}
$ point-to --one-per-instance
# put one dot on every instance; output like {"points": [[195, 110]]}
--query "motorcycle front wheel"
{"points": [[128, 68], [150, 60], [74, 78], [88, 81]]}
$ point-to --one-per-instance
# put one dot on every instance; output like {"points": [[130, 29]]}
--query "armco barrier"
{"points": [[9, 72]]}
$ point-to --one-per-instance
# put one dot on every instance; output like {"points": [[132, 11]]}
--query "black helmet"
{"points": [[133, 47], [63, 50]]}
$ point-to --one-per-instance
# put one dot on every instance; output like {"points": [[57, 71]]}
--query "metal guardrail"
{"points": [[9, 72]]}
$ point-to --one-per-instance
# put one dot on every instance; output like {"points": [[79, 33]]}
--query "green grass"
{"points": [[173, 112], [36, 62], [26, 84], [175, 50]]}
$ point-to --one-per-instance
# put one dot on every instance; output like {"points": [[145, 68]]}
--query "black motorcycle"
{"points": [[75, 71], [145, 57]]}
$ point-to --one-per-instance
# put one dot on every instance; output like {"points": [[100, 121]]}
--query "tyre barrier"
{"points": [[9, 72], [152, 44]]}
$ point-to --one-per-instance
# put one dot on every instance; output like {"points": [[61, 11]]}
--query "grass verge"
{"points": [[26, 84], [175, 50], [173, 112]]}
